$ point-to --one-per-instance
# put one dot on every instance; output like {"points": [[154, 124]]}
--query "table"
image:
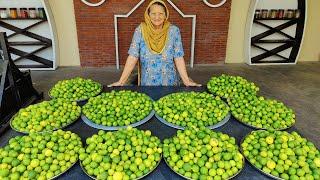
{"points": [[162, 172]]}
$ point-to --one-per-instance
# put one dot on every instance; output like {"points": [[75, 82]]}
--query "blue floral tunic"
{"points": [[158, 69]]}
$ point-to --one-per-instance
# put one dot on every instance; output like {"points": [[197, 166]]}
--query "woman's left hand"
{"points": [[191, 83], [181, 66]]}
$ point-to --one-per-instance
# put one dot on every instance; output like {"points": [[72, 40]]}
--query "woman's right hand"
{"points": [[118, 83], [128, 67]]}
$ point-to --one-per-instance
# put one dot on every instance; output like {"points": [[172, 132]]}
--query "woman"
{"points": [[157, 44]]}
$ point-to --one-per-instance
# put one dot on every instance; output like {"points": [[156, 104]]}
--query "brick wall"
{"points": [[95, 28]]}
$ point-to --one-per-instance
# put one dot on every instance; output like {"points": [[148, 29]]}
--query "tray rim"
{"points": [[90, 123]]}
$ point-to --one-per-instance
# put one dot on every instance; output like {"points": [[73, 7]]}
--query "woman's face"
{"points": [[157, 15]]}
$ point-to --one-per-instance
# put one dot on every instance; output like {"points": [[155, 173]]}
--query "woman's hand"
{"points": [[191, 83], [118, 83], [128, 67], [181, 66]]}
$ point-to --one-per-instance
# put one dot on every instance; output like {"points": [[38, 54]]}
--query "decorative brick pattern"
{"points": [[95, 28]]}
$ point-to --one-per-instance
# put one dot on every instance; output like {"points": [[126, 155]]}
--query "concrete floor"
{"points": [[298, 86]]}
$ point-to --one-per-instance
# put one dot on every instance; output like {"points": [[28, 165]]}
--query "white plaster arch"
{"points": [[93, 4], [215, 5]]}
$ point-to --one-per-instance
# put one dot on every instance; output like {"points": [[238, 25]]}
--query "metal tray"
{"points": [[92, 177], [113, 128], [41, 131], [267, 174], [243, 163], [257, 128], [219, 124]]}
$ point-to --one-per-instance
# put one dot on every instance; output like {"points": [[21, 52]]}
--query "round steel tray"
{"points": [[243, 163], [219, 124], [92, 177], [257, 128], [267, 174], [41, 131], [113, 128]]}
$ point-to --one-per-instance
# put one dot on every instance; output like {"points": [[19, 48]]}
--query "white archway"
{"points": [[93, 4], [215, 5]]}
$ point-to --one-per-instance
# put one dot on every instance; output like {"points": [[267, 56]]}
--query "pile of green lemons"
{"points": [[227, 86], [261, 113], [188, 109], [46, 116], [39, 155], [282, 154], [75, 89], [118, 108], [125, 154], [203, 154]]}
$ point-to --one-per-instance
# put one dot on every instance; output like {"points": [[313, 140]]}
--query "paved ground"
{"points": [[298, 86]]}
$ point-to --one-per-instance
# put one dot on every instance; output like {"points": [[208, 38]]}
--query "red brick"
{"points": [[95, 30]]}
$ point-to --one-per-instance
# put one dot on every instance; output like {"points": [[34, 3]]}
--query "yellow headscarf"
{"points": [[155, 39]]}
